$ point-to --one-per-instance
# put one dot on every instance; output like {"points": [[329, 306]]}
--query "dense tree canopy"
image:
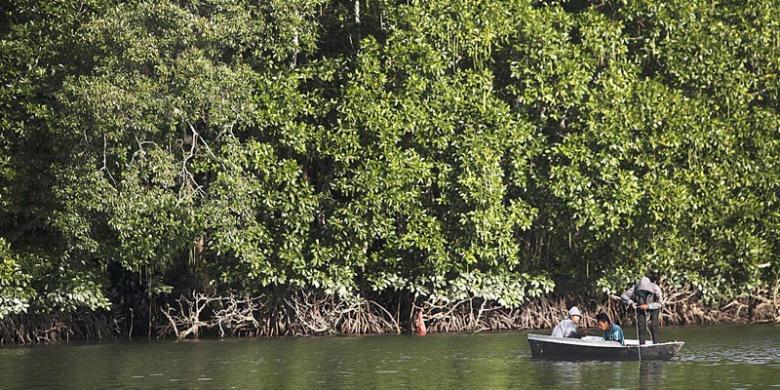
{"points": [[498, 149]]}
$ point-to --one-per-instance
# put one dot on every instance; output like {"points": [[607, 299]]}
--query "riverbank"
{"points": [[306, 314]]}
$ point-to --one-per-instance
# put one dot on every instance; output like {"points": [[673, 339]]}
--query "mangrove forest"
{"points": [[191, 168]]}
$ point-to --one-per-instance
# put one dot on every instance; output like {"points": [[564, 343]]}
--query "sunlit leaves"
{"points": [[456, 148]]}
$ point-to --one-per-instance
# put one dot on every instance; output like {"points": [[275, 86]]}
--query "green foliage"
{"points": [[449, 149], [15, 291]]}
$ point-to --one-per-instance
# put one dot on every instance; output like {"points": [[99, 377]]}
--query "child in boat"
{"points": [[568, 327], [612, 332]]}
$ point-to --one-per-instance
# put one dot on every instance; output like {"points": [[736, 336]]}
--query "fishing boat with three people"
{"points": [[596, 348]]}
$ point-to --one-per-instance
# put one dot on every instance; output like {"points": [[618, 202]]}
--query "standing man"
{"points": [[647, 299], [568, 327]]}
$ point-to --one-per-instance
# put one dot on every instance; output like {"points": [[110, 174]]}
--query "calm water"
{"points": [[713, 358]]}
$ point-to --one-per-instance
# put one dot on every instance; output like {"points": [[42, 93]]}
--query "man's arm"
{"points": [[572, 331], [626, 297], [659, 303]]}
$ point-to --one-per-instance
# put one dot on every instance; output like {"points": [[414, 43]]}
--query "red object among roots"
{"points": [[419, 324]]}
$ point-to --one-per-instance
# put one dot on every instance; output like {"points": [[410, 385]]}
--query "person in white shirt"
{"points": [[568, 327]]}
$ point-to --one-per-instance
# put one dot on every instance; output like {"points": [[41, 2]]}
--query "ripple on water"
{"points": [[713, 358], [747, 353]]}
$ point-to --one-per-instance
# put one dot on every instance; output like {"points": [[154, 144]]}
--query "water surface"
{"points": [[713, 357]]}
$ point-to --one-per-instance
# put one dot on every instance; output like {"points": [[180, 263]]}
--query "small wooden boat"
{"points": [[596, 348]]}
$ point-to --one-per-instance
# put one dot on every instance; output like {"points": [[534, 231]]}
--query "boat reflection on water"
{"points": [[566, 373], [651, 375]]}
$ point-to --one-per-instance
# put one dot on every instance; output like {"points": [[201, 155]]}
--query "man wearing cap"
{"points": [[568, 327], [646, 297]]}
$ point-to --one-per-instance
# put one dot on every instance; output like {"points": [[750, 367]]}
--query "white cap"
{"points": [[574, 311]]}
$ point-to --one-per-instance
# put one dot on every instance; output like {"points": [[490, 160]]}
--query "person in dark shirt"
{"points": [[612, 332]]}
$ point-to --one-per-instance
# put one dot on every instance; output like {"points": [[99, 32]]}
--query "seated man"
{"points": [[611, 331], [568, 327]]}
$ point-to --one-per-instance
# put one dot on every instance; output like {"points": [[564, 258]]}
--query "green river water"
{"points": [[713, 358]]}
